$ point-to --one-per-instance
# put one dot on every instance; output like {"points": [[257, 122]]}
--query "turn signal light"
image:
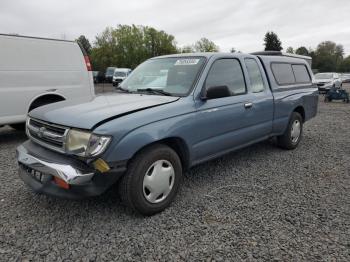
{"points": [[61, 183], [101, 165]]}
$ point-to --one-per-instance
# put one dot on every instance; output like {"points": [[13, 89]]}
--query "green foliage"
{"points": [[128, 46], [272, 42], [205, 45], [202, 45], [302, 51], [328, 57], [104, 52], [187, 49], [290, 50], [345, 65], [84, 42]]}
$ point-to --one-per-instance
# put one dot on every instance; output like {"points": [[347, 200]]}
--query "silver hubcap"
{"points": [[296, 130], [158, 181]]}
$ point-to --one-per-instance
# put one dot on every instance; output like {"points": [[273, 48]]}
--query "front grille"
{"points": [[46, 134], [320, 84]]}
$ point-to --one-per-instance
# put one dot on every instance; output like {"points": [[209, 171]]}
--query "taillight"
{"points": [[88, 64]]}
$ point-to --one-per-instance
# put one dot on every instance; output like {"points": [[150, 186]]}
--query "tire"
{"points": [[133, 187], [19, 126], [287, 141]]}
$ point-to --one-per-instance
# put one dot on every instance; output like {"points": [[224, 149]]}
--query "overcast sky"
{"points": [[229, 23]]}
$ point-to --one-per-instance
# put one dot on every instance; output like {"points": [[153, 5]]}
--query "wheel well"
{"points": [[178, 145], [301, 111], [44, 100]]}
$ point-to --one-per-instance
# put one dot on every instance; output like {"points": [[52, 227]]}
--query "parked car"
{"points": [[345, 78], [39, 71], [99, 77], [325, 81], [119, 75], [150, 131], [109, 74]]}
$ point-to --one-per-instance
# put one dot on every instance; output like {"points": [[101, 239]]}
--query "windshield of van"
{"points": [[110, 71], [174, 76], [324, 76], [120, 74]]}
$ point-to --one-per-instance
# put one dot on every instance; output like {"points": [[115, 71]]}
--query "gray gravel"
{"points": [[260, 203]]}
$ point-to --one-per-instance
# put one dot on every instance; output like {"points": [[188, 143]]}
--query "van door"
{"points": [[224, 124]]}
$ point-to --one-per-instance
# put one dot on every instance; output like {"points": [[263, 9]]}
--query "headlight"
{"points": [[85, 144]]}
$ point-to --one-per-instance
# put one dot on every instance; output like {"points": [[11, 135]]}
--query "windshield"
{"points": [[110, 71], [324, 76], [172, 75], [120, 74]]}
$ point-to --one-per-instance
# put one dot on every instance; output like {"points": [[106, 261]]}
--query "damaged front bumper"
{"points": [[38, 168]]}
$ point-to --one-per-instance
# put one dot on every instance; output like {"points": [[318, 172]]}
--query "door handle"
{"points": [[248, 105]]}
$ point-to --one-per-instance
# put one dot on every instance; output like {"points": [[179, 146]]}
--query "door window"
{"points": [[227, 72]]}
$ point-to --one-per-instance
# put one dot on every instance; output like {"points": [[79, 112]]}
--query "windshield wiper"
{"points": [[122, 89], [154, 91]]}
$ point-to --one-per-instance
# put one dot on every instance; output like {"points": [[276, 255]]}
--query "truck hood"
{"points": [[87, 115]]}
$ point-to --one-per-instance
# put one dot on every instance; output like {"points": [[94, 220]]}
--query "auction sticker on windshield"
{"points": [[186, 62]]}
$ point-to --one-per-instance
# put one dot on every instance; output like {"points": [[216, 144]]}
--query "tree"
{"points": [[345, 65], [272, 42], [104, 52], [290, 50], [233, 50], [187, 49], [205, 45], [130, 45], [84, 42], [328, 56], [158, 42], [302, 51]]}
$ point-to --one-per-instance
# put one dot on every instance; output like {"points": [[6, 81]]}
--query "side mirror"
{"points": [[214, 92]]}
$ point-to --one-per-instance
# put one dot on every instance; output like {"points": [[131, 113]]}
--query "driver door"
{"points": [[223, 124]]}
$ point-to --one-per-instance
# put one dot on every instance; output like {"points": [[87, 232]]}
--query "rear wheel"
{"points": [[152, 180], [292, 136]]}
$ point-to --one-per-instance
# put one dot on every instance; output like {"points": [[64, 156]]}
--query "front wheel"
{"points": [[292, 136], [152, 180]]}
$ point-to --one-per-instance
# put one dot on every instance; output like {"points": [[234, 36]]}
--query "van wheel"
{"points": [[19, 127], [292, 136], [152, 180]]}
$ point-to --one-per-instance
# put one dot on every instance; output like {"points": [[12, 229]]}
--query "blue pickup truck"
{"points": [[171, 113]]}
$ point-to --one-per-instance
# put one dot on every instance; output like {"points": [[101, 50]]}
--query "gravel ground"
{"points": [[261, 203]]}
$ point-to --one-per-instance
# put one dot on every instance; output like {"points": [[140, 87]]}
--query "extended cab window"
{"points": [[227, 72], [256, 79], [301, 74], [283, 73]]}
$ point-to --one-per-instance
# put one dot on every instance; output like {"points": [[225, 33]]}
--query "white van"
{"points": [[38, 71], [120, 74]]}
